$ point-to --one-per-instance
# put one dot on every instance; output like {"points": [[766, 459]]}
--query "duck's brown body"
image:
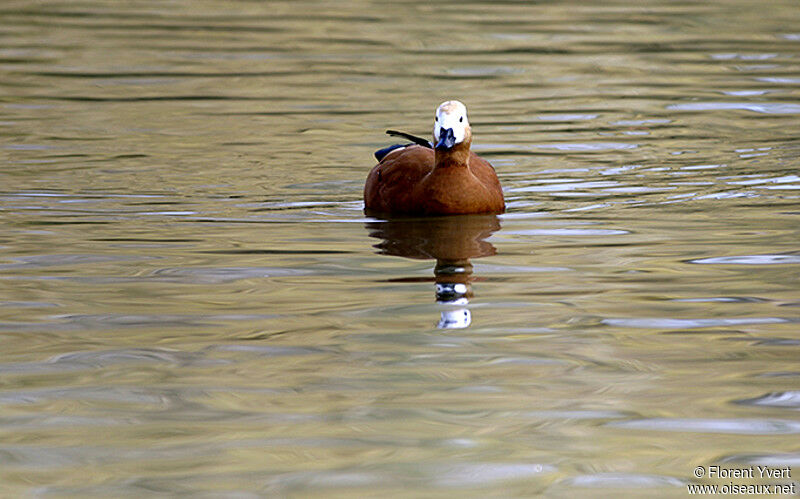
{"points": [[421, 181]]}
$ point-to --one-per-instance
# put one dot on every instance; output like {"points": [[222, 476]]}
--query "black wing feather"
{"points": [[381, 153], [413, 138]]}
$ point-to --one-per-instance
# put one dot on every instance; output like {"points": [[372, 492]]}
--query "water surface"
{"points": [[192, 301]]}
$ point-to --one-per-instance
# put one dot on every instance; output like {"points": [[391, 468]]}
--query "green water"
{"points": [[192, 301]]}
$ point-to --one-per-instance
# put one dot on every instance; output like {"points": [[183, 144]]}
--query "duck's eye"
{"points": [[461, 119]]}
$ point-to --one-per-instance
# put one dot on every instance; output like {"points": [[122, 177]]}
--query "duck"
{"points": [[443, 177]]}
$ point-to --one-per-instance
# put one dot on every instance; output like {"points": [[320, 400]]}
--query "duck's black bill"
{"points": [[446, 139]]}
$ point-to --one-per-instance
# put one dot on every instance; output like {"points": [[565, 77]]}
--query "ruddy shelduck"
{"points": [[439, 178]]}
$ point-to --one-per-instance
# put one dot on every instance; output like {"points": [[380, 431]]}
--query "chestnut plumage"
{"points": [[447, 179]]}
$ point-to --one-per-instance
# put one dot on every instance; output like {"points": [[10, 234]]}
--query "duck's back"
{"points": [[404, 182], [391, 182]]}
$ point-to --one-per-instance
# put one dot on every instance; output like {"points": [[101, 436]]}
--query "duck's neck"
{"points": [[456, 157]]}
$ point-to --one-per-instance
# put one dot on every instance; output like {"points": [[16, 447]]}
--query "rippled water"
{"points": [[192, 301]]}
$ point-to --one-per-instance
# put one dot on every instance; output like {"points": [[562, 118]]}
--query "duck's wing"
{"points": [[381, 153], [413, 138]]}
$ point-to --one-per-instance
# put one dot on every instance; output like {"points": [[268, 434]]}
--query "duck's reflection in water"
{"points": [[451, 241]]}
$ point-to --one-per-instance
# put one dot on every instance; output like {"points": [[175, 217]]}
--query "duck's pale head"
{"points": [[450, 126]]}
